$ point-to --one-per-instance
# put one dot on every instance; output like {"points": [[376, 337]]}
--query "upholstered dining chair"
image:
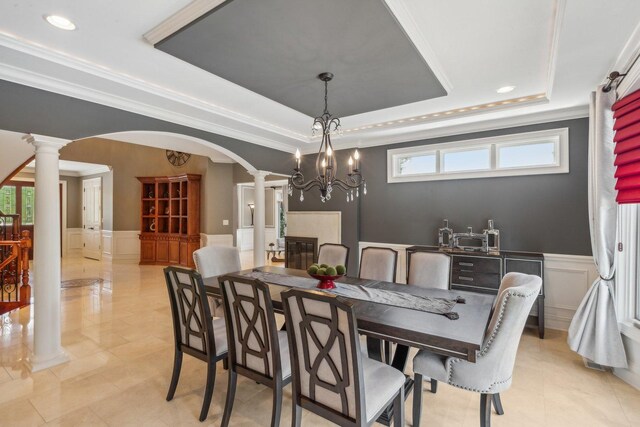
{"points": [[333, 254], [331, 377], [429, 270], [378, 264], [196, 333], [493, 370], [214, 261], [257, 350]]}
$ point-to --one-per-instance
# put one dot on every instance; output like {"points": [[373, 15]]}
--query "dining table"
{"points": [[461, 336]]}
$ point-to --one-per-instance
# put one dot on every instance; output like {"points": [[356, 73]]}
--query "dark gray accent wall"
{"points": [[29, 110], [541, 213]]}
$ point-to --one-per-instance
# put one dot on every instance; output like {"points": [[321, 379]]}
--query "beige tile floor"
{"points": [[119, 338]]}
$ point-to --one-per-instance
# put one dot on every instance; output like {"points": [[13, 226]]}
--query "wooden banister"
{"points": [[14, 260]]}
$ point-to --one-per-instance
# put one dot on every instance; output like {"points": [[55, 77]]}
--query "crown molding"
{"points": [[50, 84], [627, 57], [558, 19], [399, 10], [482, 126], [97, 70], [180, 19]]}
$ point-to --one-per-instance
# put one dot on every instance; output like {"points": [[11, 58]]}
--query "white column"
{"points": [[47, 348], [259, 247]]}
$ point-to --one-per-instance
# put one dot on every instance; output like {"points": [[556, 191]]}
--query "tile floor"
{"points": [[119, 338]]}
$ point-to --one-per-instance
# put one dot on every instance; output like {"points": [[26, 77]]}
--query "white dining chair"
{"points": [[429, 270], [378, 264], [492, 373], [212, 261], [195, 331], [331, 377], [333, 254]]}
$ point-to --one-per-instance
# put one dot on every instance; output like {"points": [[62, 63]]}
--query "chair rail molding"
{"points": [[567, 280]]}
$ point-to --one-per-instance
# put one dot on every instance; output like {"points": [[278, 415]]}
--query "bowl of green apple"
{"points": [[326, 274]]}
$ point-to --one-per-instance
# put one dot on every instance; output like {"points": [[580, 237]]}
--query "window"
{"points": [[531, 153]]}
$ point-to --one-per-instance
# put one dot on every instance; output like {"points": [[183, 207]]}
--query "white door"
{"points": [[92, 218]]}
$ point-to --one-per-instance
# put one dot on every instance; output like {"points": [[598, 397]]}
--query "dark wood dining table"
{"points": [[405, 327]]}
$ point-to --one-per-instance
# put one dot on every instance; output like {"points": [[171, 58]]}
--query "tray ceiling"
{"points": [[277, 48]]}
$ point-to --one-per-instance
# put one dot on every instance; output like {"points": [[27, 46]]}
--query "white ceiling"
{"points": [[556, 49]]}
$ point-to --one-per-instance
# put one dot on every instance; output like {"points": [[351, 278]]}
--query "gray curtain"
{"points": [[594, 332]]}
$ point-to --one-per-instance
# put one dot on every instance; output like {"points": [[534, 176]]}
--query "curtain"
{"points": [[594, 332]]}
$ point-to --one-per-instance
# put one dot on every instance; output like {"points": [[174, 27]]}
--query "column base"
{"points": [[39, 363]]}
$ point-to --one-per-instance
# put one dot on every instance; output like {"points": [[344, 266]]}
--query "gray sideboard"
{"points": [[482, 272]]}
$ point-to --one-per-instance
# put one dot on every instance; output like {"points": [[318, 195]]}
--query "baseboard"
{"points": [[567, 280], [216, 240], [628, 376]]}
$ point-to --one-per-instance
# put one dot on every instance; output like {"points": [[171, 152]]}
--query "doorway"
{"points": [[92, 218]]}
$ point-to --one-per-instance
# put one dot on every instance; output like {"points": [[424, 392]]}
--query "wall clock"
{"points": [[177, 158]]}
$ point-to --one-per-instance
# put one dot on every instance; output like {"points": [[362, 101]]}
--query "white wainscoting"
{"points": [[567, 280], [216, 240], [326, 226], [121, 245], [245, 238], [73, 242]]}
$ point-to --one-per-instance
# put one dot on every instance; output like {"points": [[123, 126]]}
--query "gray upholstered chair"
{"points": [[429, 270], [212, 261], [195, 331], [493, 370], [333, 254], [331, 377], [378, 264], [257, 350]]}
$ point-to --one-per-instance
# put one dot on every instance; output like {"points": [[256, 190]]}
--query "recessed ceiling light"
{"points": [[60, 22], [505, 89]]}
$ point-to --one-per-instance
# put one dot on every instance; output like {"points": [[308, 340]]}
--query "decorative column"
{"points": [[259, 247], [47, 348]]}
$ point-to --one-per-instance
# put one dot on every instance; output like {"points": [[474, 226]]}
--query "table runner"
{"points": [[442, 306]]}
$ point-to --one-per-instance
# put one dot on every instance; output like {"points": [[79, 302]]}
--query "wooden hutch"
{"points": [[170, 219]]}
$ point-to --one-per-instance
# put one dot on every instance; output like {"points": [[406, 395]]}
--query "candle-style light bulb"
{"points": [[297, 158], [350, 161], [356, 155], [324, 163], [329, 151]]}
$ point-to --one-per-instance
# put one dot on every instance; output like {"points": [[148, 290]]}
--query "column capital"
{"points": [[259, 174], [45, 143]]}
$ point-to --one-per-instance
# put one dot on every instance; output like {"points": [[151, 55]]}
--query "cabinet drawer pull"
{"points": [[466, 264], [468, 279]]}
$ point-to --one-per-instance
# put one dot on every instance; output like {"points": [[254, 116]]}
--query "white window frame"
{"points": [[560, 135]]}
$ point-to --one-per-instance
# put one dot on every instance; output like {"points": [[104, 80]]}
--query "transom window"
{"points": [[531, 153]]}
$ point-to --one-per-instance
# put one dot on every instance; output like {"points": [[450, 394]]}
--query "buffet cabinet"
{"points": [[300, 252], [169, 219], [482, 272]]}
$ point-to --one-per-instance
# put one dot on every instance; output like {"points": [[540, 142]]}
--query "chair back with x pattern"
{"points": [[251, 328], [325, 353], [190, 312]]}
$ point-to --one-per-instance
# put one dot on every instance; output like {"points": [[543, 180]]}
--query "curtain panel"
{"points": [[594, 332]]}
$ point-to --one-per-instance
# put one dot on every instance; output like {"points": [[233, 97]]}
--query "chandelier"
{"points": [[326, 165]]}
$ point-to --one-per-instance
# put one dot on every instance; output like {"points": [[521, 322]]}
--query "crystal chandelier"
{"points": [[326, 166]]}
